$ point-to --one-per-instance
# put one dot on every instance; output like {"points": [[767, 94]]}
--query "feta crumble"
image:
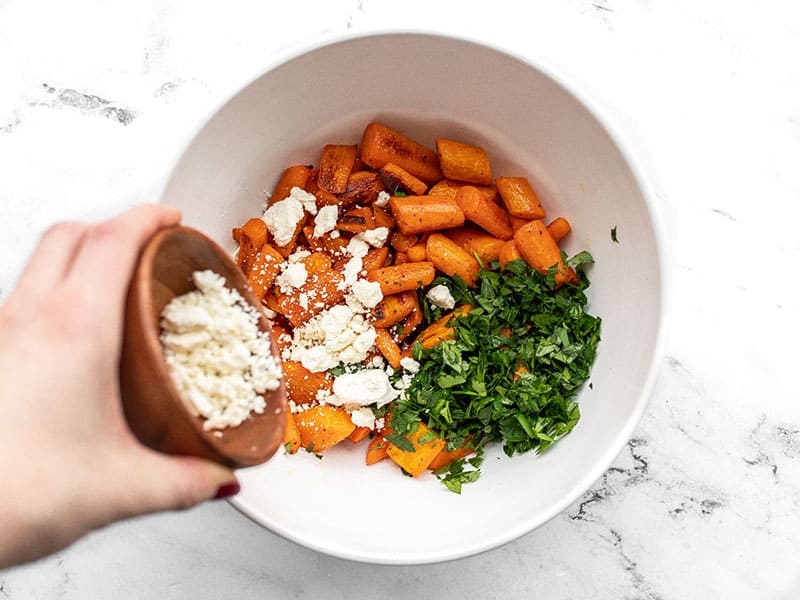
{"points": [[382, 199], [219, 359], [440, 296]]}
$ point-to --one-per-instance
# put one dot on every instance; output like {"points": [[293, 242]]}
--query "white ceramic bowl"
{"points": [[531, 124]]}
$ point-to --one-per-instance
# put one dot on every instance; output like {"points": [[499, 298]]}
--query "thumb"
{"points": [[158, 482]]}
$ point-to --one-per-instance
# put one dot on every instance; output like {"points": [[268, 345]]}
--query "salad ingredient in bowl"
{"points": [[422, 303]]}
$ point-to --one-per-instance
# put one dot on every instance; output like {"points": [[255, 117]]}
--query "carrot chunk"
{"points": [[335, 166], [464, 162], [402, 278], [476, 242], [397, 178], [559, 228], [484, 213], [425, 448], [519, 198], [540, 251], [381, 145], [450, 258], [323, 426], [294, 176], [420, 214]]}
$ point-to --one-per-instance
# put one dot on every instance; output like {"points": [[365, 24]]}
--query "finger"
{"points": [[107, 256], [50, 261], [157, 482]]}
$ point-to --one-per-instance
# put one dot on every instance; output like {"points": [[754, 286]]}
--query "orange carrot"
{"points": [[387, 347], [445, 457], [251, 237], [417, 253], [359, 433], [294, 176], [448, 187], [363, 187], [392, 309], [540, 251], [335, 166], [476, 242], [323, 426], [302, 385], [424, 450], [451, 259], [291, 439], [483, 212], [382, 218], [264, 268], [396, 178], [412, 320], [401, 278], [558, 229], [508, 252], [440, 330], [402, 242], [381, 145], [420, 214], [519, 198], [517, 222], [356, 220], [464, 162], [375, 258]]}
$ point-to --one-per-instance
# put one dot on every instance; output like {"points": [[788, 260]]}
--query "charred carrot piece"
{"points": [[375, 259], [396, 178], [335, 166], [464, 162], [363, 187], [322, 427], [264, 268], [448, 187], [356, 220], [387, 347], [381, 145], [251, 237], [393, 309]]}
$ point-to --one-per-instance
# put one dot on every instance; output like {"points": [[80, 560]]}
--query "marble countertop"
{"points": [[704, 502]]}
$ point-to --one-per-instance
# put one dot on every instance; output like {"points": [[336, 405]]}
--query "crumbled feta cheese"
{"points": [[363, 417], [365, 387], [374, 237], [382, 200], [293, 276], [282, 219], [357, 247], [350, 274], [409, 364], [308, 201], [326, 220], [298, 255], [220, 360], [440, 296], [368, 293], [335, 234]]}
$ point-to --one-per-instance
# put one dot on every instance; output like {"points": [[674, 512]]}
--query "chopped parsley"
{"points": [[614, 234], [511, 372]]}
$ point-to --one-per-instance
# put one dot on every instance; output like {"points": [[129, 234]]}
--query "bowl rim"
{"points": [[560, 77]]}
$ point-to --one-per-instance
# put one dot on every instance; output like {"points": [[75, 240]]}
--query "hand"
{"points": [[69, 462]]}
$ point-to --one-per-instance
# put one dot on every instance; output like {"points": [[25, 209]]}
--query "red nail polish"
{"points": [[227, 490]]}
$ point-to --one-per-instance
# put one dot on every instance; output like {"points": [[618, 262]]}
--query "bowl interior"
{"points": [[431, 86]]}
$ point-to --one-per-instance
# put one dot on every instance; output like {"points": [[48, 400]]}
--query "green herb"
{"points": [[400, 194], [288, 447], [614, 234], [310, 448], [402, 442], [511, 372]]}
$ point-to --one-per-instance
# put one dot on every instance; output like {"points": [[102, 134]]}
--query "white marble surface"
{"points": [[705, 500]]}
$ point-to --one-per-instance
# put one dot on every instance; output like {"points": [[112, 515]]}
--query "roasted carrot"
{"points": [[335, 166], [540, 251], [251, 237], [417, 253], [381, 145], [558, 229], [402, 242], [420, 214], [387, 347], [382, 218], [323, 426], [291, 438], [412, 320], [464, 162], [302, 385], [321, 291], [440, 330], [294, 176], [401, 278], [263, 270], [392, 309], [426, 447], [519, 198], [476, 243], [400, 258], [508, 252], [449, 258], [448, 187], [376, 451], [363, 187], [517, 222], [359, 433], [375, 259], [445, 457], [396, 178], [483, 212], [356, 220]]}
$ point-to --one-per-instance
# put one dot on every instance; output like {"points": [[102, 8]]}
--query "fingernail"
{"points": [[227, 490]]}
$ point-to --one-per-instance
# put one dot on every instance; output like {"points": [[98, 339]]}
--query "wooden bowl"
{"points": [[155, 410]]}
